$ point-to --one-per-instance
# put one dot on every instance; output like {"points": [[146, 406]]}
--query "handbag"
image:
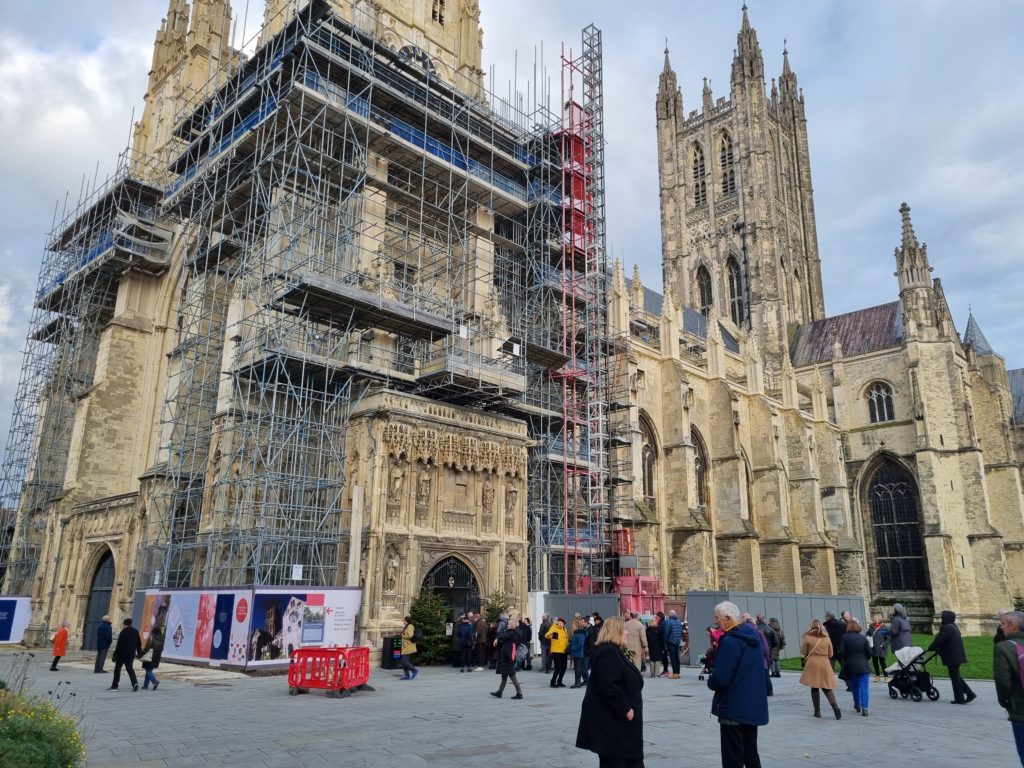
{"points": [[146, 655], [803, 659]]}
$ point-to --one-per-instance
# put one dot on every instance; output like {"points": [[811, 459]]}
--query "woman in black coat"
{"points": [[508, 645], [950, 647], [855, 655], [655, 648], [611, 720]]}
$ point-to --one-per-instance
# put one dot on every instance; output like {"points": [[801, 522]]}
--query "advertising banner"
{"points": [[202, 626], [284, 619], [249, 627], [15, 613]]}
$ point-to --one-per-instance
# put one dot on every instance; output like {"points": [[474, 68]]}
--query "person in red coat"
{"points": [[60, 645]]}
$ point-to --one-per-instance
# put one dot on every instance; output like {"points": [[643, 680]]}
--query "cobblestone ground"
{"points": [[445, 718]]}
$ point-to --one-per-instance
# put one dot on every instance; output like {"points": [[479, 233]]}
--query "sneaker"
{"points": [[135, 687], [414, 673], [112, 688], [495, 694], [864, 713], [971, 697], [405, 677], [517, 696], [478, 669], [156, 684], [462, 670], [878, 679]]}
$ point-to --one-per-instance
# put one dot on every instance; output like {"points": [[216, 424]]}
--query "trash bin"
{"points": [[391, 652]]}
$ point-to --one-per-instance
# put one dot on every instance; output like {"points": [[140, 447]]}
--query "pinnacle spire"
{"points": [[785, 59], [746, 21], [748, 61], [909, 238]]}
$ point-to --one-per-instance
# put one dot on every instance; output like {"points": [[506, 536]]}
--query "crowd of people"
{"points": [[609, 659]]}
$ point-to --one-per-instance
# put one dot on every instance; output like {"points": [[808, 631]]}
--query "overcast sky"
{"points": [[906, 101]]}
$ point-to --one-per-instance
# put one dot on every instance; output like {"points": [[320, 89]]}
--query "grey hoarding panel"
{"points": [[567, 605], [793, 611]]}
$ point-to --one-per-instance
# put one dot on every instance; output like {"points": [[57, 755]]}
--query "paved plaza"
{"points": [[203, 717]]}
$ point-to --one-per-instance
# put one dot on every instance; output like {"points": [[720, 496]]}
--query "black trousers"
{"points": [[55, 660], [739, 746], [129, 668], [879, 664], [560, 664], [608, 762], [101, 659], [961, 691]]}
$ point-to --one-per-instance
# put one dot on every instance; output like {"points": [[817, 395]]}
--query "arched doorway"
{"points": [[99, 600], [900, 561], [453, 581]]}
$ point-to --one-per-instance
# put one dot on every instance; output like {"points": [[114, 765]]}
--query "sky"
{"points": [[918, 101]]}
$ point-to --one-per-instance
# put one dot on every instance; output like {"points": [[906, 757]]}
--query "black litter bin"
{"points": [[391, 652]]}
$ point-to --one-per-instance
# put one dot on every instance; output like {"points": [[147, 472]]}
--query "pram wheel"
{"points": [[933, 694], [915, 694], [893, 693], [904, 694]]}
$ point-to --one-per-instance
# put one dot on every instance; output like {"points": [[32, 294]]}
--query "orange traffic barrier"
{"points": [[338, 671]]}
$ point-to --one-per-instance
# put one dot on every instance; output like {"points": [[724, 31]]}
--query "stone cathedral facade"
{"points": [[876, 452], [770, 447]]}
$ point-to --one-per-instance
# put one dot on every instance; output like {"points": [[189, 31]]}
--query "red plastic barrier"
{"points": [[328, 669]]}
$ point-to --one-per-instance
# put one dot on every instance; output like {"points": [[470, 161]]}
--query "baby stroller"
{"points": [[910, 675], [707, 659]]}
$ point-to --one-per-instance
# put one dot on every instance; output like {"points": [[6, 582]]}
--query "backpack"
{"points": [[1019, 647], [417, 634]]}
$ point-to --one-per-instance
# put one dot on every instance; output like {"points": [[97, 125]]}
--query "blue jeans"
{"points": [[859, 689], [1018, 735], [149, 678]]}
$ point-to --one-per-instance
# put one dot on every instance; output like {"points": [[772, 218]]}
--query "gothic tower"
{"points": [[739, 240]]}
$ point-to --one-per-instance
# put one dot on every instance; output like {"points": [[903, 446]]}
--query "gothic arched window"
{"points": [[700, 467], [726, 162], [700, 185], [899, 546], [705, 297], [648, 463], [880, 403], [735, 283]]}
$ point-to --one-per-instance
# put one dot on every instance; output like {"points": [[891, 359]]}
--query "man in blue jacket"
{"points": [[672, 635], [739, 683]]}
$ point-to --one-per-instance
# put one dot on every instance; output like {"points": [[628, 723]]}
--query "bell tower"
{"points": [[739, 241]]}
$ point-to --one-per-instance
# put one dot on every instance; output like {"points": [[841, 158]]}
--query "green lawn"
{"points": [[978, 666]]}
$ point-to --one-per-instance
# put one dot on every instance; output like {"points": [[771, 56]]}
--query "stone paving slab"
{"points": [[445, 718]]}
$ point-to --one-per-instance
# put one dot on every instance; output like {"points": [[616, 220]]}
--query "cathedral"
{"points": [[343, 318]]}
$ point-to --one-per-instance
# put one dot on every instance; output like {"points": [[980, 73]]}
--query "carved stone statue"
{"points": [[423, 488], [395, 486], [391, 564], [511, 501], [488, 495], [510, 572]]}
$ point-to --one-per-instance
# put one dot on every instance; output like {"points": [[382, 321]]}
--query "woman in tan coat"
{"points": [[816, 650]]}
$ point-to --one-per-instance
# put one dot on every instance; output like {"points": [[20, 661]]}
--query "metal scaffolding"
{"points": [[350, 217], [112, 229], [336, 219]]}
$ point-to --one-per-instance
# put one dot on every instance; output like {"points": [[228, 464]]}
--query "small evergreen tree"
{"points": [[497, 604], [429, 612]]}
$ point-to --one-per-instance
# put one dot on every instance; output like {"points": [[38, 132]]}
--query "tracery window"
{"points": [[705, 299], [648, 463], [735, 281], [700, 185], [726, 162], [899, 546], [880, 403], [700, 467]]}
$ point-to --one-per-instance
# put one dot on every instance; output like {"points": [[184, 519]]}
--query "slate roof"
{"points": [[974, 336], [1016, 377], [693, 321], [866, 330]]}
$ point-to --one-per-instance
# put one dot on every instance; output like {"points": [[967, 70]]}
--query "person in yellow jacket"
{"points": [[408, 649], [559, 637]]}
